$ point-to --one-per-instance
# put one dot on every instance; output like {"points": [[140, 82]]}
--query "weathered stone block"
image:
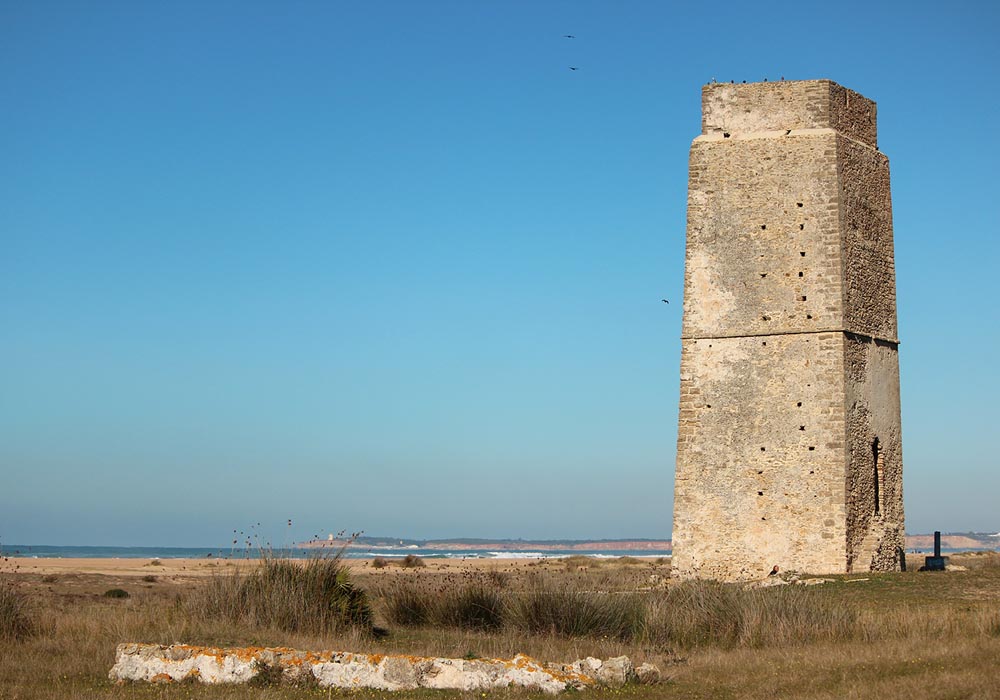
{"points": [[330, 669]]}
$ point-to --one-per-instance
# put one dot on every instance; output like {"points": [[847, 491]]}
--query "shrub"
{"points": [[476, 606], [412, 561], [687, 615], [482, 602], [407, 606], [577, 561], [15, 622], [576, 613], [705, 613], [379, 563], [116, 593], [475, 601], [149, 578], [317, 596], [977, 560]]}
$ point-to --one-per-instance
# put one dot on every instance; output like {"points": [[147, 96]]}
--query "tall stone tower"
{"points": [[788, 448]]}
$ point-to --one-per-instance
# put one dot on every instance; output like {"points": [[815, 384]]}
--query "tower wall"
{"points": [[788, 367]]}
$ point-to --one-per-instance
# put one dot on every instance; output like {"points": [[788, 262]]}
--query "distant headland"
{"points": [[364, 542], [949, 540]]}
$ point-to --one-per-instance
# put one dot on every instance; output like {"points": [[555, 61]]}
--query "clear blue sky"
{"points": [[393, 267]]}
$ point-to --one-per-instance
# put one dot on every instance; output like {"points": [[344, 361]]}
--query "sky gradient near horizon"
{"points": [[394, 267]]}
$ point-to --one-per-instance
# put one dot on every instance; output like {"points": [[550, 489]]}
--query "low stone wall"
{"points": [[181, 662]]}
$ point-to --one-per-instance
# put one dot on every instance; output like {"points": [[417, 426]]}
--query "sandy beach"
{"points": [[196, 568]]}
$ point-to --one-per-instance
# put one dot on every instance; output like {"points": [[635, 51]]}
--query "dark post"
{"points": [[937, 562]]}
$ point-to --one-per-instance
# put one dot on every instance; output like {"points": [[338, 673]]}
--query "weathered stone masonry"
{"points": [[789, 448]]}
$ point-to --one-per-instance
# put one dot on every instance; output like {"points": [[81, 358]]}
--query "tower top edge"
{"points": [[736, 108]]}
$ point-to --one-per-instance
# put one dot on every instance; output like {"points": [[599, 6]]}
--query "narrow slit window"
{"points": [[877, 474]]}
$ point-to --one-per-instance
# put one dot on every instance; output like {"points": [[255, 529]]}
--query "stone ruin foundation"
{"points": [[334, 669]]}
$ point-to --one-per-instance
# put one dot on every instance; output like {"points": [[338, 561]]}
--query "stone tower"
{"points": [[788, 448]]}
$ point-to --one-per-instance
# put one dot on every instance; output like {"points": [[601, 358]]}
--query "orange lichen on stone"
{"points": [[345, 669]]}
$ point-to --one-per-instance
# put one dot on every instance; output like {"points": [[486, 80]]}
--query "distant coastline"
{"points": [[950, 541], [476, 544]]}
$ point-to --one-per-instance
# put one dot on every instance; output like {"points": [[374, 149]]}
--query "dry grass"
{"points": [[894, 636], [704, 614], [683, 616]]}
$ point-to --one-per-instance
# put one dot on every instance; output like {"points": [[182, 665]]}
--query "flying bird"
{"points": [[664, 301], [568, 36], [573, 68]]}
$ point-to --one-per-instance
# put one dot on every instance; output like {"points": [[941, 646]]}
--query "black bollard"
{"points": [[937, 562]]}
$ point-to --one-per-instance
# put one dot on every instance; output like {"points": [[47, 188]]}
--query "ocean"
{"points": [[69, 552]]}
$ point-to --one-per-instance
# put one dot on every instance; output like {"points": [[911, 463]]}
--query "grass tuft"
{"points": [[15, 621], [687, 615], [407, 606], [579, 561], [577, 613], [483, 602], [477, 606], [317, 596]]}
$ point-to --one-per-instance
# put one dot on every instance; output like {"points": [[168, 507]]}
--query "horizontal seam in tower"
{"points": [[779, 133], [863, 336]]}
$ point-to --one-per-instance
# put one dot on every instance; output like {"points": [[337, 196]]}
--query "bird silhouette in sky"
{"points": [[568, 36], [573, 68], [664, 301]]}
